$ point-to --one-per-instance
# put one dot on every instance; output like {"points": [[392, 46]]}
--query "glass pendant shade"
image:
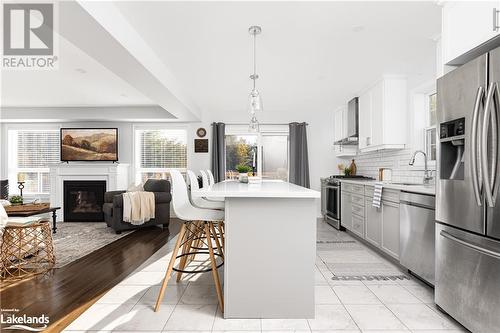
{"points": [[255, 101], [254, 125]]}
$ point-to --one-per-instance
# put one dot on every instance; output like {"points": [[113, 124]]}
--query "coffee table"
{"points": [[52, 210]]}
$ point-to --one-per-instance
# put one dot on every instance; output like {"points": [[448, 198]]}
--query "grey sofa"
{"points": [[113, 206]]}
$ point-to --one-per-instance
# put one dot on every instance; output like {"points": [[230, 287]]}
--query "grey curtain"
{"points": [[218, 151], [299, 160]]}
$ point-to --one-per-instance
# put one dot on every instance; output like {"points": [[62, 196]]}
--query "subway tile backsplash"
{"points": [[368, 164]]}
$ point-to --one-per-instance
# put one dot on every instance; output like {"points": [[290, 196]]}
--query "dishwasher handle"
{"points": [[416, 204]]}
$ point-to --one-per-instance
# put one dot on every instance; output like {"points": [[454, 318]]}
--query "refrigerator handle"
{"points": [[470, 245], [474, 146], [490, 117]]}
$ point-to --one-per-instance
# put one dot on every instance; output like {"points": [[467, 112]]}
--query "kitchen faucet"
{"points": [[427, 174]]}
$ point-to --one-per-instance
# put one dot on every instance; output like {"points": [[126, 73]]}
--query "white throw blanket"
{"points": [[138, 207], [377, 195]]}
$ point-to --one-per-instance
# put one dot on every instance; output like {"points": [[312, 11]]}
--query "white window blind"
{"points": [[31, 152], [159, 150], [37, 149]]}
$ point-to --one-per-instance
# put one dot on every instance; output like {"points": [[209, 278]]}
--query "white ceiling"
{"points": [[311, 55], [79, 81]]}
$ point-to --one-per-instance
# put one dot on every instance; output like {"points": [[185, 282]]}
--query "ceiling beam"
{"points": [[101, 31]]}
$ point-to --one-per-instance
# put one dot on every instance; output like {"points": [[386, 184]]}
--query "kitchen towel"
{"points": [[377, 194]]}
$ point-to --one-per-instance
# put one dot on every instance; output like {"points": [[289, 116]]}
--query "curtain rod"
{"points": [[262, 123]]}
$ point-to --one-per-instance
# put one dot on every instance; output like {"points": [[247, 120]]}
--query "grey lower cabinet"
{"points": [[378, 226], [345, 210], [390, 228], [373, 218]]}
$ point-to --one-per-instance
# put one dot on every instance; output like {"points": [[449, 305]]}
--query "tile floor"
{"points": [[345, 305]]}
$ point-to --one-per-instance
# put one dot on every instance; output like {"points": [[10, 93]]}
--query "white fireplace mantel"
{"points": [[115, 175]]}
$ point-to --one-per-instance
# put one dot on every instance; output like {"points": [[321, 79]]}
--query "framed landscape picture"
{"points": [[89, 144]]}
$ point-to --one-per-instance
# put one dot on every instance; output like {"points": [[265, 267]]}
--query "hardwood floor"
{"points": [[64, 293]]}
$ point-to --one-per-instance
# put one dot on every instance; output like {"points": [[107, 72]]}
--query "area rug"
{"points": [[75, 240]]}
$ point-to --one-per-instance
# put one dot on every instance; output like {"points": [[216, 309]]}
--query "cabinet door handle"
{"points": [[495, 20]]}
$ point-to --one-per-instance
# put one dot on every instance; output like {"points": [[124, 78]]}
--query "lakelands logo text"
{"points": [[28, 36], [23, 322]]}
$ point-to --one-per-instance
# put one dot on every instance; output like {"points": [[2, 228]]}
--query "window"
{"points": [[30, 153], [430, 130], [266, 152], [158, 151], [240, 149]]}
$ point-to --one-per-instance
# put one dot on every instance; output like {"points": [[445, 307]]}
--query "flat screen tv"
{"points": [[89, 144]]}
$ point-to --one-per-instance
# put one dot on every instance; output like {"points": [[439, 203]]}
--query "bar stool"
{"points": [[204, 177], [199, 227], [211, 179], [201, 202]]}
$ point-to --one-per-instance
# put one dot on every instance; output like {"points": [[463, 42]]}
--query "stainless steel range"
{"points": [[330, 198]]}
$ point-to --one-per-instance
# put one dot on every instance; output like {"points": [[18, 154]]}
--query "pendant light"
{"points": [[255, 101]]}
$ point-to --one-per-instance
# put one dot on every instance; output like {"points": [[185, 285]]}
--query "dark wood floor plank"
{"points": [[64, 293]]}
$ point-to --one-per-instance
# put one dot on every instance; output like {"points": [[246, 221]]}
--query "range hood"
{"points": [[352, 125]]}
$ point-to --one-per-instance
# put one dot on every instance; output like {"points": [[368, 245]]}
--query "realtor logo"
{"points": [[28, 36]]}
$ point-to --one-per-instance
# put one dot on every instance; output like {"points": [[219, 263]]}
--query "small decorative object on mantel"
{"points": [[201, 132], [243, 170], [201, 145], [353, 168], [347, 171]]}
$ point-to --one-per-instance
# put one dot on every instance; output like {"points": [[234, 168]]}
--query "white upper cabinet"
{"points": [[382, 115], [365, 119], [467, 25]]}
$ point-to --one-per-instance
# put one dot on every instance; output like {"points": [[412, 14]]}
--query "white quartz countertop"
{"points": [[423, 189], [266, 189]]}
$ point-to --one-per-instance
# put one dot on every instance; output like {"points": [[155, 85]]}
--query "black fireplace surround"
{"points": [[83, 200]]}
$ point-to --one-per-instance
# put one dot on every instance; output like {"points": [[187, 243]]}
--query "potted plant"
{"points": [[16, 200], [243, 170]]}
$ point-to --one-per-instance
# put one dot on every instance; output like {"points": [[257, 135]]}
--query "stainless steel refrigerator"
{"points": [[467, 203]]}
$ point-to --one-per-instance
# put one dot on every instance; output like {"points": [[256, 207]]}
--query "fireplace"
{"points": [[83, 200]]}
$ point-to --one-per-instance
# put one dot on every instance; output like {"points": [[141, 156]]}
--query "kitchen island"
{"points": [[270, 248]]}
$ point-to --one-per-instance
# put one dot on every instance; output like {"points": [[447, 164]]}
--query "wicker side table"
{"points": [[26, 251]]}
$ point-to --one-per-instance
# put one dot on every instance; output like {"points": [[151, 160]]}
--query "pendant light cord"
{"points": [[254, 59]]}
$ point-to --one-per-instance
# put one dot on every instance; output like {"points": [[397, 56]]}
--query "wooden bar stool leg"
{"points": [[217, 243], [190, 234], [215, 273], [221, 232], [170, 266], [197, 239]]}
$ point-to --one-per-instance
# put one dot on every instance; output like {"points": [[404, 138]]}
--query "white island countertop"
{"points": [[266, 189]]}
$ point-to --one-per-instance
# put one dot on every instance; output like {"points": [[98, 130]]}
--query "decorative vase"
{"points": [[243, 177], [353, 168]]}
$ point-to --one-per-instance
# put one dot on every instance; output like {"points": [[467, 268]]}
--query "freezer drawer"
{"points": [[467, 278]]}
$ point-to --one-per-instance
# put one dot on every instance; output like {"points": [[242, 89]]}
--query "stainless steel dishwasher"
{"points": [[417, 234]]}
